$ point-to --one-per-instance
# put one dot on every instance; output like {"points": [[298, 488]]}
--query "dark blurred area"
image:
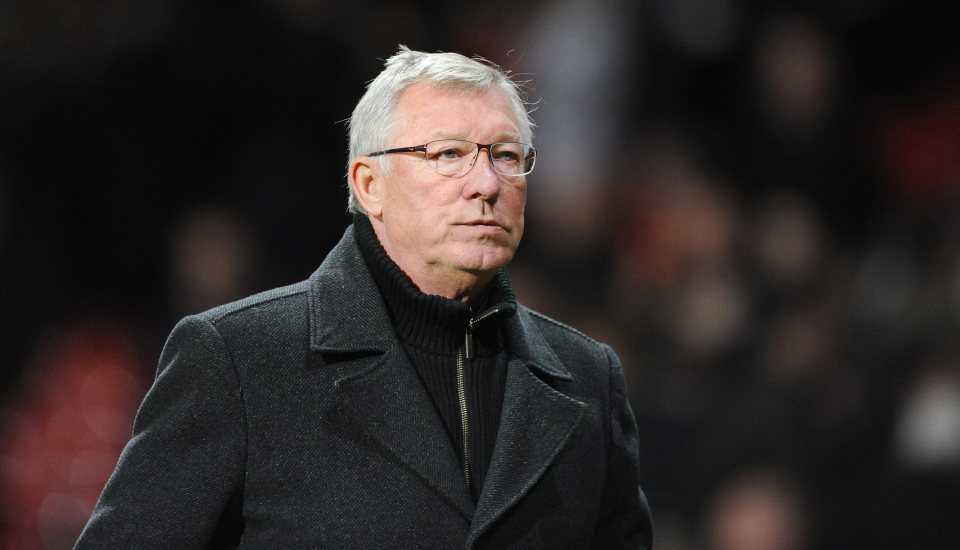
{"points": [[756, 203]]}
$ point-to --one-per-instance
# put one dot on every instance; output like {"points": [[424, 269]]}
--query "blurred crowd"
{"points": [[756, 203]]}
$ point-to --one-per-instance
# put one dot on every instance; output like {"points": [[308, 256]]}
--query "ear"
{"points": [[366, 180]]}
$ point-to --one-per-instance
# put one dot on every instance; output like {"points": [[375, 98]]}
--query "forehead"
{"points": [[431, 112]]}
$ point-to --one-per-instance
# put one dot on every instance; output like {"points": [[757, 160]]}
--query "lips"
{"points": [[483, 223]]}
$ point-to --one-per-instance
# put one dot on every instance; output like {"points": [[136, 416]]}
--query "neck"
{"points": [[452, 284]]}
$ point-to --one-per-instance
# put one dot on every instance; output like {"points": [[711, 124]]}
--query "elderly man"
{"points": [[400, 397]]}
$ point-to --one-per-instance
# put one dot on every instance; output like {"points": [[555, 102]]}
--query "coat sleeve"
{"points": [[625, 520], [183, 467]]}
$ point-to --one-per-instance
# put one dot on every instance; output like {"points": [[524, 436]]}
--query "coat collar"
{"points": [[347, 314]]}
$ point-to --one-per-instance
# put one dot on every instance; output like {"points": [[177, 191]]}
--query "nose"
{"points": [[482, 180]]}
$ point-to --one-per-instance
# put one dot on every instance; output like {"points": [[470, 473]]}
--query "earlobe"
{"points": [[366, 179]]}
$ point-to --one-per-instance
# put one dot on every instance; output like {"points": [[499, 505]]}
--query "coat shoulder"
{"points": [[283, 296], [580, 354], [554, 330], [283, 306], [274, 324]]}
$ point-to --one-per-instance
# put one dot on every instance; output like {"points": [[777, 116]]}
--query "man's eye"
{"points": [[449, 154], [507, 156]]}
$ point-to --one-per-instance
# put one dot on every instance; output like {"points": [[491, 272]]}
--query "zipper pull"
{"points": [[471, 324], [468, 342]]}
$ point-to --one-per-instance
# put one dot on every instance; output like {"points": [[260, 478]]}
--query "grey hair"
{"points": [[372, 123]]}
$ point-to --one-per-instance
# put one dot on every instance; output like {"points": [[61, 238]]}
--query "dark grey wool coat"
{"points": [[293, 419]]}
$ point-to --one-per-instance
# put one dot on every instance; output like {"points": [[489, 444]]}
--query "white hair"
{"points": [[373, 122]]}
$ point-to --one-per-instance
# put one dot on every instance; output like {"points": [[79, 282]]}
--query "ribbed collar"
{"points": [[431, 323]]}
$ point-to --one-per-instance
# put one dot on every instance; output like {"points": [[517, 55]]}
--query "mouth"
{"points": [[490, 224]]}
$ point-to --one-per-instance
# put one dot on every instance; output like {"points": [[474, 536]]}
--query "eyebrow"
{"points": [[505, 137]]}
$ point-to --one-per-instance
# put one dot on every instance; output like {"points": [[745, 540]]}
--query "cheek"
{"points": [[418, 213], [516, 203]]}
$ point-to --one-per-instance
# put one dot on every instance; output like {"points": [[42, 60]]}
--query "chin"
{"points": [[483, 259]]}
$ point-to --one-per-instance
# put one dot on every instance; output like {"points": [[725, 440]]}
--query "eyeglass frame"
{"points": [[488, 146]]}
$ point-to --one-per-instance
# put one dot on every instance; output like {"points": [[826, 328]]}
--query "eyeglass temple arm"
{"points": [[413, 149]]}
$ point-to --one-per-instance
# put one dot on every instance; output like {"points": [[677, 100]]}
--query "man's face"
{"points": [[432, 224]]}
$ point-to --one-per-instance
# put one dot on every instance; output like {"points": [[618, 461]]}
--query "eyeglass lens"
{"points": [[453, 157]]}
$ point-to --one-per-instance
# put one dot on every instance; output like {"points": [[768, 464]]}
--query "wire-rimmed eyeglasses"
{"points": [[455, 157]]}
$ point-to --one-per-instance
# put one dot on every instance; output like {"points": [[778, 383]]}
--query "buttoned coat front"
{"points": [[293, 419]]}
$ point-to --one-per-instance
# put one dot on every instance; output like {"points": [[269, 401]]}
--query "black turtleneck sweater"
{"points": [[434, 331]]}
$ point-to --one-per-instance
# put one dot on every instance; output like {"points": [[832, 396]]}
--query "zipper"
{"points": [[467, 352], [462, 398]]}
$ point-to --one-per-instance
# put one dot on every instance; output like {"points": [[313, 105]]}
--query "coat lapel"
{"points": [[380, 399], [386, 407], [535, 424]]}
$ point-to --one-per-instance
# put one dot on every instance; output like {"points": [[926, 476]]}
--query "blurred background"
{"points": [[755, 203]]}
